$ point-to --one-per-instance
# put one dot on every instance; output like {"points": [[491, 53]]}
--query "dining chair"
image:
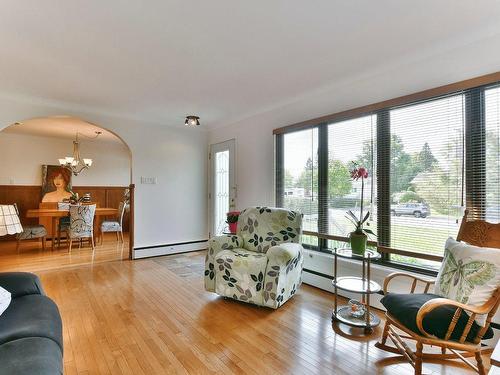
{"points": [[31, 232], [81, 223], [64, 222], [115, 225]]}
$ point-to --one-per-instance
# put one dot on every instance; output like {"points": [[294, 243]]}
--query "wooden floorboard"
{"points": [[152, 316]]}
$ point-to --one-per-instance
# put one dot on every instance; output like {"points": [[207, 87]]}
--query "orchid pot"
{"points": [[358, 242]]}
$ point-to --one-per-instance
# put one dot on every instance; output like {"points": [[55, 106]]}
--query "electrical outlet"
{"points": [[148, 180]]}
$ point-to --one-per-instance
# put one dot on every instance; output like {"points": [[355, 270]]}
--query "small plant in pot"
{"points": [[232, 221], [359, 237]]}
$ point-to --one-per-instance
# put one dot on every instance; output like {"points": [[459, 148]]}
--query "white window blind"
{"points": [[300, 180], [492, 155], [426, 174], [351, 141]]}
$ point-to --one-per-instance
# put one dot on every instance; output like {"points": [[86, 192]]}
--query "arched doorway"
{"points": [[34, 145]]}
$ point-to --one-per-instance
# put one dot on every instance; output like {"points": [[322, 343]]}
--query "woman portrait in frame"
{"points": [[56, 183]]}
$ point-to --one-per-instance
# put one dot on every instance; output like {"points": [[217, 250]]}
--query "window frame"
{"points": [[474, 126]]}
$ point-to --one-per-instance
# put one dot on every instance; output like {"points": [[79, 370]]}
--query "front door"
{"points": [[222, 193]]}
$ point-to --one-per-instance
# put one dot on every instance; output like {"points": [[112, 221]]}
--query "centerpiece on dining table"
{"points": [[358, 238]]}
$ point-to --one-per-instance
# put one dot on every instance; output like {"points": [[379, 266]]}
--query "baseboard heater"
{"points": [[169, 249]]}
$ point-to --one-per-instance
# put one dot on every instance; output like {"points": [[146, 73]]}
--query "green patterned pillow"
{"points": [[469, 274]]}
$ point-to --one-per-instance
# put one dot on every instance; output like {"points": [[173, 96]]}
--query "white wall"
{"points": [[23, 156], [172, 211]]}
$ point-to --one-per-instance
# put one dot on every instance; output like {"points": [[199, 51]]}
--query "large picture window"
{"points": [[429, 160]]}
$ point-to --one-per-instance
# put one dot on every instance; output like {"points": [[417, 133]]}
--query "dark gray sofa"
{"points": [[30, 329]]}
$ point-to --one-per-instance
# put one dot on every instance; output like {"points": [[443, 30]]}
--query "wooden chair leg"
{"points": [[92, 243], [418, 358], [117, 236], [385, 333], [121, 235], [18, 244], [480, 365], [70, 244], [43, 243]]}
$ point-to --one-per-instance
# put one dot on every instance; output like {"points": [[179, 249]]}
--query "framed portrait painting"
{"points": [[56, 183]]}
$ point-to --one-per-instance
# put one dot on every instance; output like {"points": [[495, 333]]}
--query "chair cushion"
{"points": [[32, 231], [240, 274], [264, 227], [110, 226], [31, 355], [468, 274], [32, 315], [404, 307]]}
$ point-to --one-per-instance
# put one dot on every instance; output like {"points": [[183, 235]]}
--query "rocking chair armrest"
{"points": [[393, 275], [433, 304]]}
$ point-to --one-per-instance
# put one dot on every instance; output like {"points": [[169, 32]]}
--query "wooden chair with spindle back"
{"points": [[474, 232]]}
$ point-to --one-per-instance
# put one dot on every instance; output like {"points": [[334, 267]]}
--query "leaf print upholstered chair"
{"points": [[262, 263]]}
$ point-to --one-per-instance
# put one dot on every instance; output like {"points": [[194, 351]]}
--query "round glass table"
{"points": [[361, 285]]}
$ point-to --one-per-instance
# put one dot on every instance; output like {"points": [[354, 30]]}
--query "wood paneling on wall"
{"points": [[28, 197]]}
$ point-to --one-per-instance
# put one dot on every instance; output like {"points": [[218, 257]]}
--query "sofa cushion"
{"points": [[468, 274], [21, 283], [404, 307], [30, 355], [240, 274], [31, 316]]}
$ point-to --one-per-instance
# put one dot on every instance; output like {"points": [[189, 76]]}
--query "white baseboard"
{"points": [[155, 251]]}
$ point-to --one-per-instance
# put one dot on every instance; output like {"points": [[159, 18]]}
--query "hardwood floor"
{"points": [[152, 316], [31, 257]]}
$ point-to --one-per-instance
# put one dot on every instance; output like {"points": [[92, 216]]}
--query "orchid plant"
{"points": [[359, 172]]}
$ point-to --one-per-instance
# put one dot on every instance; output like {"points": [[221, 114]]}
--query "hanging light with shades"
{"points": [[75, 163], [192, 121]]}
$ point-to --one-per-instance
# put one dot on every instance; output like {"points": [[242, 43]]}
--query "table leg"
{"points": [[54, 231], [97, 228]]}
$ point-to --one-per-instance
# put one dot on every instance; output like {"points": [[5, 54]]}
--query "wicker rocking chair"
{"points": [[464, 343]]}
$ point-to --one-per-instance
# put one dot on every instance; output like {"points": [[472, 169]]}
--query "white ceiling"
{"points": [[224, 60], [62, 127]]}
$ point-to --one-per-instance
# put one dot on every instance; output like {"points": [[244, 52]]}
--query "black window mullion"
{"points": [[323, 182], [383, 180], [475, 152], [280, 170]]}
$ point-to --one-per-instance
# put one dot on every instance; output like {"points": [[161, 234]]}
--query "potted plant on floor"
{"points": [[358, 238], [232, 221]]}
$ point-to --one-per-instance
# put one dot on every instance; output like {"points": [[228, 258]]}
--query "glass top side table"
{"points": [[362, 285]]}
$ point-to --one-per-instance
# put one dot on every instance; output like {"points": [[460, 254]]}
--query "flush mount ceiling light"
{"points": [[192, 121], [75, 163]]}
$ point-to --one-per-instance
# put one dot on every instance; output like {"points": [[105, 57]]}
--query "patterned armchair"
{"points": [[262, 263]]}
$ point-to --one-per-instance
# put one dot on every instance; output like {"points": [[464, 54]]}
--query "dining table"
{"points": [[55, 214]]}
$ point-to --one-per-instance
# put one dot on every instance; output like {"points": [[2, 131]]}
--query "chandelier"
{"points": [[75, 163]]}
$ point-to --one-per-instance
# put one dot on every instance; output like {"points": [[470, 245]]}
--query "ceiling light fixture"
{"points": [[75, 163], [192, 121]]}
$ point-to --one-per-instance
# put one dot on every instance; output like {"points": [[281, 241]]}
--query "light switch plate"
{"points": [[148, 180]]}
